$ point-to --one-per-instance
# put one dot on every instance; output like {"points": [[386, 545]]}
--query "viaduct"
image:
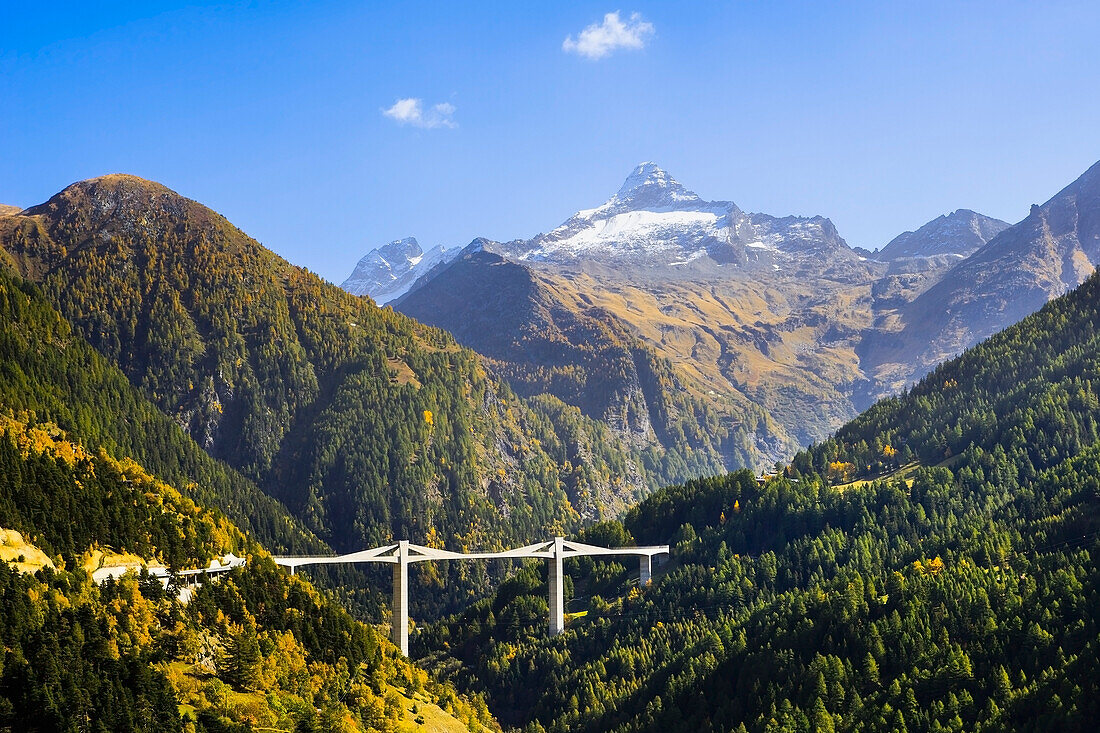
{"points": [[401, 554]]}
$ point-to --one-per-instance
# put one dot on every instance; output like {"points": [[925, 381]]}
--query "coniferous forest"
{"points": [[256, 649], [363, 424], [932, 567]]}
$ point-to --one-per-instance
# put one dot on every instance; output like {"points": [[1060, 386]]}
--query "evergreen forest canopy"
{"points": [[49, 373], [256, 648], [931, 567]]}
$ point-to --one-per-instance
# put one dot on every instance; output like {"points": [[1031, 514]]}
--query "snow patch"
{"points": [[631, 232], [690, 258]]}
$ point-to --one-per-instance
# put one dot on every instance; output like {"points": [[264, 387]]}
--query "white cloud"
{"points": [[600, 39], [410, 111]]}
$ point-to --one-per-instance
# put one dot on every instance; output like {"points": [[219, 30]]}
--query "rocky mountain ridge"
{"points": [[958, 234], [389, 272], [1053, 250], [776, 323]]}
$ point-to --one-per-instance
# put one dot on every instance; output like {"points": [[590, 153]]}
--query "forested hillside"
{"points": [[49, 372], [933, 567], [255, 648], [366, 424]]}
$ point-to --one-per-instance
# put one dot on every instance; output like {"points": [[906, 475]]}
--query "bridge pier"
{"points": [[400, 623], [645, 569], [557, 588]]}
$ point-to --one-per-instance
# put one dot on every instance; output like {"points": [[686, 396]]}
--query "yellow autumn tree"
{"points": [[841, 470]]}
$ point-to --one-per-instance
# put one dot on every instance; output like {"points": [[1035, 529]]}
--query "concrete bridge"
{"points": [[404, 552]]}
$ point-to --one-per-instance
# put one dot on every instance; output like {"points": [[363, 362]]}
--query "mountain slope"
{"points": [[756, 315], [583, 356], [50, 372], [365, 423], [1050, 252], [959, 233], [953, 587], [763, 315], [126, 657]]}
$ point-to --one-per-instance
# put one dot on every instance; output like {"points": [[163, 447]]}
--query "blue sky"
{"points": [[879, 115]]}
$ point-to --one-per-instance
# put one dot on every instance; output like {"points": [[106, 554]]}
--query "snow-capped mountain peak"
{"points": [[387, 272], [653, 221], [648, 186], [651, 214]]}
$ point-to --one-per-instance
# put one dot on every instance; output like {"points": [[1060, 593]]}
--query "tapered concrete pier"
{"points": [[400, 624], [557, 588]]}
